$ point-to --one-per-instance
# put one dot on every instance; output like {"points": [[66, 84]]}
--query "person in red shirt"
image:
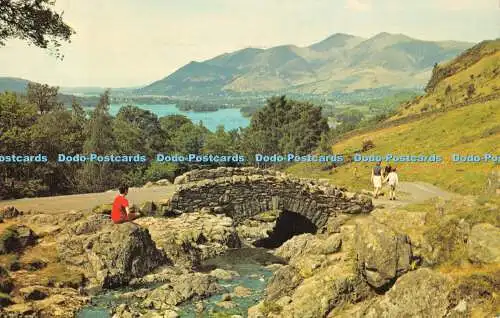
{"points": [[120, 212]]}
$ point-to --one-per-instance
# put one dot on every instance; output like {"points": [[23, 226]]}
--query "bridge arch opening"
{"points": [[288, 224]]}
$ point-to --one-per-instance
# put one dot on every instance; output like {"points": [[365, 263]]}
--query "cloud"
{"points": [[358, 5]]}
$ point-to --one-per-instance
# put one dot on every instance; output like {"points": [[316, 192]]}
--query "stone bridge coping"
{"points": [[312, 185], [201, 174]]}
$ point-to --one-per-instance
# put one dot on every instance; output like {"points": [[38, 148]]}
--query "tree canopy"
{"points": [[285, 125], [37, 123], [34, 21]]}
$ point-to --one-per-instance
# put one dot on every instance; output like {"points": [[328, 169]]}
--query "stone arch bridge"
{"points": [[244, 192]]}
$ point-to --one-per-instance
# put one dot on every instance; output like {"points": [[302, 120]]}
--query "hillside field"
{"points": [[474, 129]]}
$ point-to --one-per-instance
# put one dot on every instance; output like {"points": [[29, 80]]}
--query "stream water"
{"points": [[249, 263]]}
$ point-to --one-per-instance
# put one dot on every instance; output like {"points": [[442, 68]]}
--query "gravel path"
{"points": [[413, 192], [83, 202]]}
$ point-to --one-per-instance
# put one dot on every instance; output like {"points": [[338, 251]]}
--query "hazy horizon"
{"points": [[126, 44]]}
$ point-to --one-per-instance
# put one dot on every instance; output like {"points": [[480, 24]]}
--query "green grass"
{"points": [[60, 276], [480, 68], [456, 131]]}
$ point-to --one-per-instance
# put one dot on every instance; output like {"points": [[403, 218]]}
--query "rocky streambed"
{"points": [[214, 270], [235, 281], [389, 263]]}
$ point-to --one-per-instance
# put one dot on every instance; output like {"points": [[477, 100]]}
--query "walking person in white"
{"points": [[377, 179], [392, 180]]}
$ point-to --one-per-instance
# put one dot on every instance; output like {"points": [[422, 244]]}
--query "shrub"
{"points": [[158, 170], [367, 145], [270, 307], [448, 241]]}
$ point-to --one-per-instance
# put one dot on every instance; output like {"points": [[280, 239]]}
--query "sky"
{"points": [[123, 43]]}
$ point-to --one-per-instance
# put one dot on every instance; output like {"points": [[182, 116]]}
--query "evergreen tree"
{"points": [[283, 126], [219, 142], [98, 176]]}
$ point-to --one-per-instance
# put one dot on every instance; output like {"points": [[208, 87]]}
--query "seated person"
{"points": [[121, 212]]}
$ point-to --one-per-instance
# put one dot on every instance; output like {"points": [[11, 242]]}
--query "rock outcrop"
{"points": [[484, 244], [175, 289], [111, 254], [421, 293], [15, 238], [307, 244], [190, 238], [321, 275], [383, 255], [9, 212], [42, 301]]}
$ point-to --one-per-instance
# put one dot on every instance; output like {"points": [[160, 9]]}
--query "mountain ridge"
{"points": [[341, 62]]}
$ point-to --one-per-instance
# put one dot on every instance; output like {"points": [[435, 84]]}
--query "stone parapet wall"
{"points": [[221, 172]]}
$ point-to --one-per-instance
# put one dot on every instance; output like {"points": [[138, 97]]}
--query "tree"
{"points": [[97, 176], [471, 90], [54, 133], [219, 142], [447, 93], [284, 125], [326, 142], [16, 118], [99, 129], [350, 117], [173, 122], [141, 129], [34, 21], [43, 96], [190, 138]]}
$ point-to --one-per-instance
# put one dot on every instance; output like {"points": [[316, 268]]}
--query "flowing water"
{"points": [[249, 263]]}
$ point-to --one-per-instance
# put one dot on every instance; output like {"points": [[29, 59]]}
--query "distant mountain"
{"points": [[341, 62], [19, 85], [13, 84], [336, 41]]}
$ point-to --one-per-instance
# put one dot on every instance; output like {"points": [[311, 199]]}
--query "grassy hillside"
{"points": [[467, 125], [470, 130], [470, 77]]}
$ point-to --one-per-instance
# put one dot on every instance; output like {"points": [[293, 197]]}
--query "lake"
{"points": [[231, 118]]}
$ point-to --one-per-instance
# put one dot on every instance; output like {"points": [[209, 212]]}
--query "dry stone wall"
{"points": [[246, 194]]}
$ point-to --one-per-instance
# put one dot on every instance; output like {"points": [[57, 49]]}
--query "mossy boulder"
{"points": [[484, 244], [15, 238], [9, 212], [103, 209], [148, 208], [382, 254], [6, 283], [421, 293], [5, 300]]}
